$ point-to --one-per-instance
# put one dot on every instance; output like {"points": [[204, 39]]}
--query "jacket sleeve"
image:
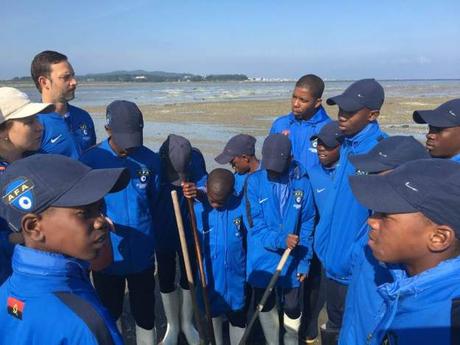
{"points": [[306, 230], [271, 239]]}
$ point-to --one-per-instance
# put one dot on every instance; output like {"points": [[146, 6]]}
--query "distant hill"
{"points": [[155, 76]]}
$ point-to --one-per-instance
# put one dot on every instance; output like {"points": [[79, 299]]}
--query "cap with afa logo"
{"points": [[429, 186], [240, 144], [330, 135], [444, 116], [125, 121], [390, 153], [33, 184], [364, 93]]}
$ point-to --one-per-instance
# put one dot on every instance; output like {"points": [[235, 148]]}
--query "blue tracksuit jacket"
{"points": [[223, 237], [49, 300], [167, 237], [300, 132], [423, 309], [456, 158], [364, 303], [269, 230], [68, 135], [6, 248], [131, 209], [344, 220], [322, 184]]}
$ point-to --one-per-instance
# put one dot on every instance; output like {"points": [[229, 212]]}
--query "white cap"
{"points": [[15, 104]]}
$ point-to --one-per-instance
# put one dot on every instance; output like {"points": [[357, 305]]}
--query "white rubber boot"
{"points": [[171, 307], [236, 333], [186, 321], [291, 337], [217, 326], [145, 336], [271, 326], [119, 325]]}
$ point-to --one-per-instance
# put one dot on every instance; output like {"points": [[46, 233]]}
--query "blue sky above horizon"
{"points": [[279, 39]]}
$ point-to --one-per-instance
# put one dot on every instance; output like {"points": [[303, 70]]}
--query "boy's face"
{"points": [[79, 232], [354, 122], [240, 164], [399, 238], [303, 104], [443, 142], [327, 155]]}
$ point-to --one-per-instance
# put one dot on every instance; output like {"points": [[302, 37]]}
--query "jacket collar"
{"points": [[370, 130], [406, 286], [317, 117]]}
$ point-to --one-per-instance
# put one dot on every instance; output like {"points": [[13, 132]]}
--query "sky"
{"points": [[336, 39]]}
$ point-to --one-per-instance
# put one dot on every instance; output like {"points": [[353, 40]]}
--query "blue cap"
{"points": [[177, 151], [444, 116], [240, 144], [126, 123], [429, 186], [276, 152], [330, 135], [390, 153], [364, 93], [33, 184]]}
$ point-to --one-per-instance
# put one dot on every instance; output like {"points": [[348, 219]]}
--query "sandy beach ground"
{"points": [[209, 125]]}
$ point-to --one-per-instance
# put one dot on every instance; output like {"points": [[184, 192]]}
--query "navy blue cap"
{"points": [[330, 134], [364, 93], [276, 152], [444, 116], [429, 186], [240, 144], [126, 123], [33, 184], [177, 151], [390, 153]]}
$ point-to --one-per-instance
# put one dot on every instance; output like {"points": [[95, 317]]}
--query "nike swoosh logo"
{"points": [[320, 190], [407, 184], [383, 155], [452, 113], [262, 200], [53, 140]]}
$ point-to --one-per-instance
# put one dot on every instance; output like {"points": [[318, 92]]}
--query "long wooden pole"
{"points": [[188, 267]]}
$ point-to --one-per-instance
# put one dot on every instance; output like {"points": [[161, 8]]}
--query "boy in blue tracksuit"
{"points": [[416, 225], [363, 299], [327, 143], [56, 203], [219, 219], [240, 152], [184, 170], [281, 215], [343, 221], [132, 212], [443, 137], [305, 120], [69, 130]]}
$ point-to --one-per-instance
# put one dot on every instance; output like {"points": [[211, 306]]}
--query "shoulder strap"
{"points": [[247, 204], [88, 314], [455, 321]]}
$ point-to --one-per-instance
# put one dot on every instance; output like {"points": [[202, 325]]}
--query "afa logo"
{"points": [[313, 145], [298, 196], [237, 222], [19, 194], [84, 128], [143, 175]]}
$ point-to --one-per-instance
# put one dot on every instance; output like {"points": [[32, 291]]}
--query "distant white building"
{"points": [[140, 77]]}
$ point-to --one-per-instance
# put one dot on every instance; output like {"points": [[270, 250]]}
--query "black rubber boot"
{"points": [[329, 336]]}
